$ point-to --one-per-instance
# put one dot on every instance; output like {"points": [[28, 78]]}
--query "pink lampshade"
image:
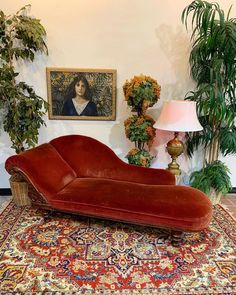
{"points": [[178, 115]]}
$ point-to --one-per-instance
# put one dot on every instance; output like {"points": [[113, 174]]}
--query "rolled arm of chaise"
{"points": [[43, 168], [20, 172]]}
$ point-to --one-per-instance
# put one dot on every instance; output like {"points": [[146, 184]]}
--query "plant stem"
{"points": [[209, 153], [214, 149], [204, 157], [218, 149]]}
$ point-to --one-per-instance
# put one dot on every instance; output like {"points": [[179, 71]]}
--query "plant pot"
{"points": [[214, 196], [19, 191]]}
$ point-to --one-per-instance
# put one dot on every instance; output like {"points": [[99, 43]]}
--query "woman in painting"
{"points": [[78, 99]]}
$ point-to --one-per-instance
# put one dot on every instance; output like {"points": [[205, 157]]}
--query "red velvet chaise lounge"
{"points": [[81, 175]]}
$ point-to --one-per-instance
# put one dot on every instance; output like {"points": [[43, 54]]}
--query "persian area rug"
{"points": [[69, 254]]}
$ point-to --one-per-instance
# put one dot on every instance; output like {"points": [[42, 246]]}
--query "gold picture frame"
{"points": [[100, 103]]}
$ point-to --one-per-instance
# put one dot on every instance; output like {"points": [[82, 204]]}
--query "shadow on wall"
{"points": [[174, 42], [118, 141]]}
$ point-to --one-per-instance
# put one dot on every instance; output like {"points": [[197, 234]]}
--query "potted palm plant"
{"points": [[213, 67], [21, 37]]}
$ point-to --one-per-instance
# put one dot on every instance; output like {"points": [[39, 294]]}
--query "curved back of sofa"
{"points": [[44, 168], [87, 156]]}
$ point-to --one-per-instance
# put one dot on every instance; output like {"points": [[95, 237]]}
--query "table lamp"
{"points": [[177, 116]]}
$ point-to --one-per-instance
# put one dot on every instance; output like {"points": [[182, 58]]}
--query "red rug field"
{"points": [[69, 254]]}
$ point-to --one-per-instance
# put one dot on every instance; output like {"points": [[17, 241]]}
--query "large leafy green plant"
{"points": [[21, 36], [213, 67]]}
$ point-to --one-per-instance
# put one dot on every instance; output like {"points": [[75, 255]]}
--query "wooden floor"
{"points": [[229, 202], [4, 200]]}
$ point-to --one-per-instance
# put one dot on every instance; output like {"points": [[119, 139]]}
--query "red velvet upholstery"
{"points": [[79, 174], [44, 167], [90, 158], [170, 206]]}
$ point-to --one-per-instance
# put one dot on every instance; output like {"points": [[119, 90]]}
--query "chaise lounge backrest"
{"points": [[89, 157]]}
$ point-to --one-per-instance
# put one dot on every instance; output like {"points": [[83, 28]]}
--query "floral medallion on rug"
{"points": [[69, 254]]}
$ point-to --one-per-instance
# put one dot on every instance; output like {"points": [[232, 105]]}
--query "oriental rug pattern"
{"points": [[69, 254]]}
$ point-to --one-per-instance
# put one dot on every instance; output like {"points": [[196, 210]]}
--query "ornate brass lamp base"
{"points": [[175, 148]]}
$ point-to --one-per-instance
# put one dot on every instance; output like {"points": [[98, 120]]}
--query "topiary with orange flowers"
{"points": [[141, 92]]}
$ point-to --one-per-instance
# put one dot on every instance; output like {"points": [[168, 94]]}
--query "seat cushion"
{"points": [[175, 207]]}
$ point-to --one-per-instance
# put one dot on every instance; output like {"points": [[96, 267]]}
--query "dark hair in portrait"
{"points": [[69, 109], [70, 92]]}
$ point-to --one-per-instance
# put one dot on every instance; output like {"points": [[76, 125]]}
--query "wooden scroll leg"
{"points": [[176, 237]]}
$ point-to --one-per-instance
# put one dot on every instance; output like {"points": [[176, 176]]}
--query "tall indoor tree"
{"points": [[21, 37], [213, 67]]}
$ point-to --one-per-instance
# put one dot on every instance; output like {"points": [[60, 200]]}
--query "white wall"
{"points": [[134, 37]]}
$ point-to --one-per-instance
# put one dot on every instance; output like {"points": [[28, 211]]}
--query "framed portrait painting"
{"points": [[81, 94]]}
